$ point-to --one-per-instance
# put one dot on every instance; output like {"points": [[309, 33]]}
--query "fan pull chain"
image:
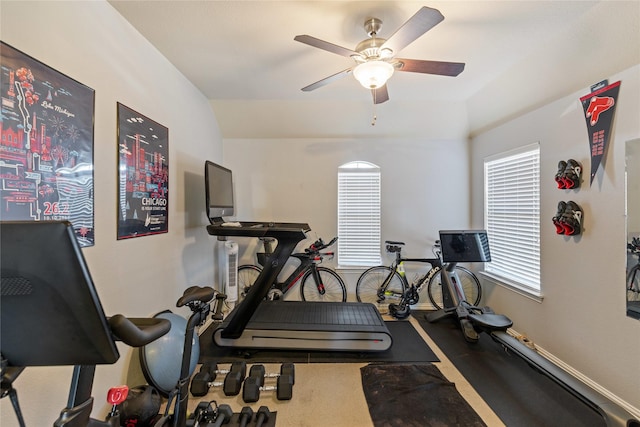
{"points": [[373, 121]]}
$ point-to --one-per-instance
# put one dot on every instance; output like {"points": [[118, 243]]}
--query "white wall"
{"points": [[581, 319], [424, 186], [92, 43]]}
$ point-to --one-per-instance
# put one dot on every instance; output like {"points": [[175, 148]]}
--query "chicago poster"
{"points": [[143, 177]]}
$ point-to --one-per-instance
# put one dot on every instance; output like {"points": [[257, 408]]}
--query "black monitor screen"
{"points": [[218, 182], [465, 246], [51, 314]]}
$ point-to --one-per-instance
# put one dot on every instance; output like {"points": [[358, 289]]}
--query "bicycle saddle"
{"points": [[196, 293]]}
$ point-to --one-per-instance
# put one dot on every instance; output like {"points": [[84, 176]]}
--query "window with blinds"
{"points": [[512, 217], [358, 214]]}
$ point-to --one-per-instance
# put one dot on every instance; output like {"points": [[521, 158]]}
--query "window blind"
{"points": [[359, 217], [512, 216]]}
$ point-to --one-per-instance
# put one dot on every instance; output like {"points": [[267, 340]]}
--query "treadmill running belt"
{"points": [[306, 325]]}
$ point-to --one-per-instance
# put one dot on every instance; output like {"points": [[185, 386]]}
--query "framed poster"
{"points": [[143, 177], [46, 148]]}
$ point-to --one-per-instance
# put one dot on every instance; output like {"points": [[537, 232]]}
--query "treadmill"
{"points": [[295, 325]]}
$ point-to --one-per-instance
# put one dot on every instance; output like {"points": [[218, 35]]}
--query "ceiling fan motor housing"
{"points": [[375, 57]]}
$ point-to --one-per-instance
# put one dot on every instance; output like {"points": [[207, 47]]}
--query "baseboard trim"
{"points": [[580, 376]]}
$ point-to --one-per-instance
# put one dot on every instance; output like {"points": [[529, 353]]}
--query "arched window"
{"points": [[358, 214]]}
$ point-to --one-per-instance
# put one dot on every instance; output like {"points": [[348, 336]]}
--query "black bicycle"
{"points": [[317, 283], [633, 276], [388, 285]]}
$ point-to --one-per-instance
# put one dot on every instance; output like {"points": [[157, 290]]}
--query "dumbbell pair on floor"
{"points": [[205, 379], [205, 415], [253, 385]]}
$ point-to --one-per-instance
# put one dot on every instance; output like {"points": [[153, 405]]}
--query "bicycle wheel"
{"points": [[371, 280], [633, 284], [247, 275], [468, 280], [334, 287]]}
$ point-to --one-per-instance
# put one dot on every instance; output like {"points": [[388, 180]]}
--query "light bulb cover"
{"points": [[373, 74]]}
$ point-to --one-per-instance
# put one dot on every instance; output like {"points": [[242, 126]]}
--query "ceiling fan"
{"points": [[375, 59]]}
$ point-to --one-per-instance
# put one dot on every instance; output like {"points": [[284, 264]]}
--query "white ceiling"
{"points": [[242, 56]]}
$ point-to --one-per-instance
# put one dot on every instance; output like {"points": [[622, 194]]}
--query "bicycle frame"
{"points": [[306, 263], [634, 249], [309, 259], [397, 266]]}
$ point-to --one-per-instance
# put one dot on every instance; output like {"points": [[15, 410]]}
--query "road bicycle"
{"points": [[388, 285], [317, 283], [633, 276]]}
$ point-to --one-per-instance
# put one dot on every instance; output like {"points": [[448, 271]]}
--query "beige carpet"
{"points": [[331, 394]]}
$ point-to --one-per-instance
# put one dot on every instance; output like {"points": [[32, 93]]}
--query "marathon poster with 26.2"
{"points": [[46, 148], [143, 175]]}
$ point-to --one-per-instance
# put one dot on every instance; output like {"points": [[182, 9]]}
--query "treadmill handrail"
{"points": [[288, 236]]}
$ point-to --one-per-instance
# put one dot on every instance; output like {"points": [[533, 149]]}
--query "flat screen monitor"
{"points": [[51, 314], [218, 182], [465, 246]]}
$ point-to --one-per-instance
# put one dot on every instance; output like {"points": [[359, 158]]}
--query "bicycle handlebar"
{"points": [[319, 245]]}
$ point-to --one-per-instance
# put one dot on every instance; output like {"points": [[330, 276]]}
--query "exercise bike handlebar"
{"points": [[138, 332]]}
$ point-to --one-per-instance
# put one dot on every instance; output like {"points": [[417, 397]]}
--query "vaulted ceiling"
{"points": [[518, 55]]}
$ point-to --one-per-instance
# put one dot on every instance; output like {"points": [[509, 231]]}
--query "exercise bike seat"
{"points": [[491, 321], [196, 294]]}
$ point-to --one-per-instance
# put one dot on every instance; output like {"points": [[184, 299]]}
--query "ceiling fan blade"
{"points": [[424, 20], [321, 44], [380, 95], [430, 67], [327, 80]]}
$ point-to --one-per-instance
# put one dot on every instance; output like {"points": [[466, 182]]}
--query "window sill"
{"points": [[520, 289]]}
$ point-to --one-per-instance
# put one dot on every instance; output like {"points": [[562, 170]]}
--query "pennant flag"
{"points": [[599, 108]]}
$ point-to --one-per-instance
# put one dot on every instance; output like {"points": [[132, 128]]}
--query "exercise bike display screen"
{"points": [[51, 313], [465, 246]]}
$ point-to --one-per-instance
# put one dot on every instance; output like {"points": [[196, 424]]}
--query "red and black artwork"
{"points": [[599, 108], [143, 178], [46, 147]]}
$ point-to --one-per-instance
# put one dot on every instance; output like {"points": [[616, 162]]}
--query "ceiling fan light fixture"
{"points": [[373, 74]]}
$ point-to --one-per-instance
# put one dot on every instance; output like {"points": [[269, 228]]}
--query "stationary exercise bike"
{"points": [[52, 316], [465, 246], [169, 362], [473, 246]]}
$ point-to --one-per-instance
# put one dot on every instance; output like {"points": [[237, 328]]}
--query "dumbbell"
{"points": [[223, 415], [262, 416], [246, 414], [202, 415], [254, 384], [258, 371], [205, 379]]}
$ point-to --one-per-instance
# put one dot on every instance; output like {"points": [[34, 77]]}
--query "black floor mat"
{"points": [[408, 346], [414, 396], [519, 395]]}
